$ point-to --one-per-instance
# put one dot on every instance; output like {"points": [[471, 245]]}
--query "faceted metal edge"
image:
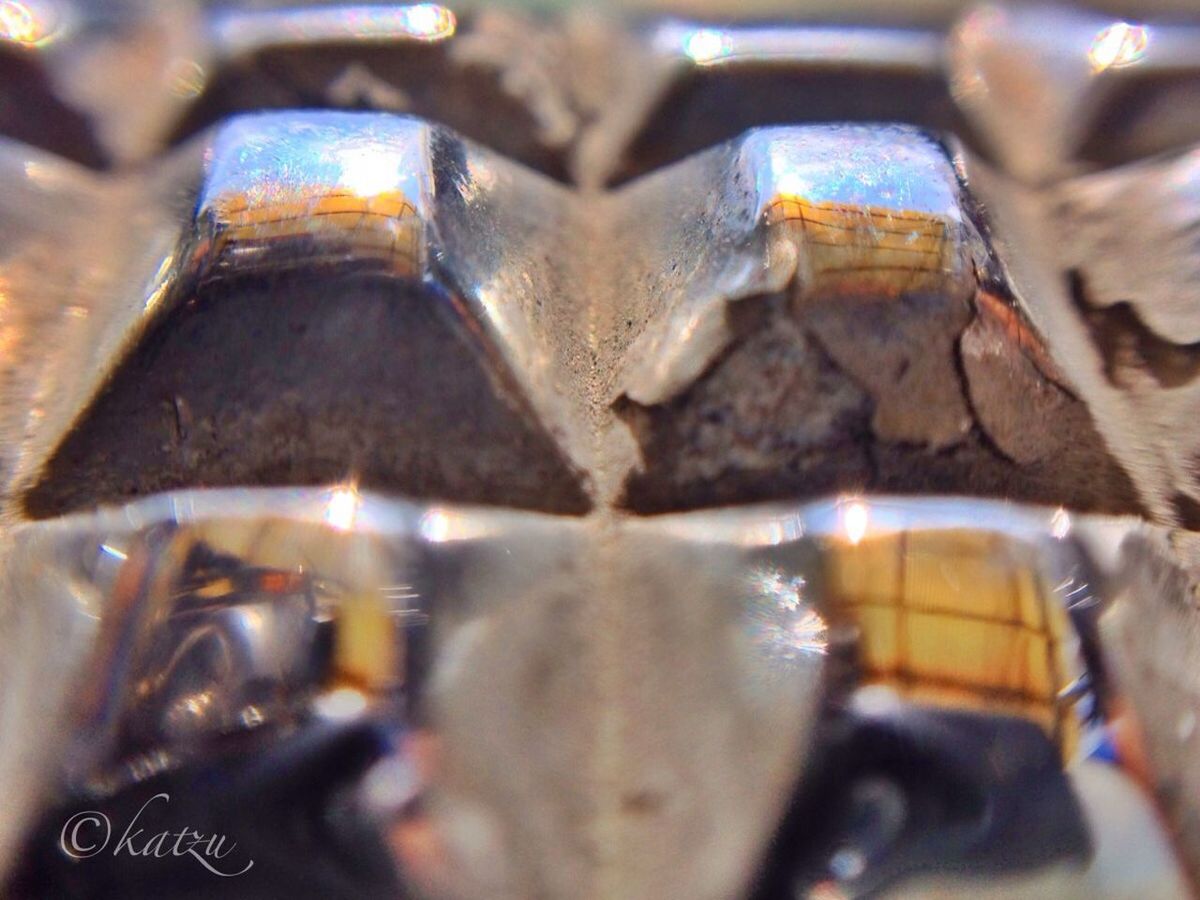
{"points": [[494, 254], [578, 300], [1087, 56]]}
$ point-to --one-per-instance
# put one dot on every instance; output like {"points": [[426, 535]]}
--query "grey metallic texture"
{"points": [[606, 403]]}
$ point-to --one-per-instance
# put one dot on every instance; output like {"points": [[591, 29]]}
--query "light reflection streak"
{"points": [[370, 171], [1118, 45], [186, 78], [273, 158], [706, 45], [810, 633], [114, 552], [30, 23], [855, 520], [45, 175], [341, 704], [786, 590], [244, 31], [342, 509], [777, 530], [902, 49], [1060, 523], [435, 526], [345, 185], [895, 168], [163, 281]]}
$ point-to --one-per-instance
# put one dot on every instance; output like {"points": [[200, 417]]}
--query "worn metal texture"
{"points": [[654, 427]]}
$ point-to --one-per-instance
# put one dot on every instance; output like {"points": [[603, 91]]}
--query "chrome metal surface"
{"points": [[583, 454], [235, 589]]}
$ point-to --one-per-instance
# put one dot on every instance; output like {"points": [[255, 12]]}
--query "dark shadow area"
{"points": [[30, 113], [303, 378]]}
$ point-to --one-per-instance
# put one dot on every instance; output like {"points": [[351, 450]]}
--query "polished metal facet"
{"points": [[478, 453]]}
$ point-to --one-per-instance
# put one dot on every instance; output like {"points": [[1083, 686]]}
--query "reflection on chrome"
{"points": [[29, 23], [297, 189], [881, 651], [343, 505], [856, 518], [238, 32], [837, 212], [706, 45], [1118, 45], [703, 45], [1004, 56]]}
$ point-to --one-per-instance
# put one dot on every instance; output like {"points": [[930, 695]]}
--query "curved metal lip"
{"points": [[751, 525], [751, 540]]}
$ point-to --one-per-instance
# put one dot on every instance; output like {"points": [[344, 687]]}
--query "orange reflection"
{"points": [[383, 226], [868, 248], [996, 309], [960, 619]]}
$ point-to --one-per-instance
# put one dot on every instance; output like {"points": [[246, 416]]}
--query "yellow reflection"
{"points": [[366, 210], [28, 23], [196, 705], [873, 248], [957, 619], [186, 78], [367, 650], [163, 282], [1118, 45]]}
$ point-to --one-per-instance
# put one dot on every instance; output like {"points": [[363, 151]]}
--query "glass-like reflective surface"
{"points": [[521, 627], [910, 673]]}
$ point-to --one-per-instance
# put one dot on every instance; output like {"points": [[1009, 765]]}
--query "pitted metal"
{"points": [[608, 404]]}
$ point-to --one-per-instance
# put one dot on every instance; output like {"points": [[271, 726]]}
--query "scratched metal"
{"points": [[688, 255]]}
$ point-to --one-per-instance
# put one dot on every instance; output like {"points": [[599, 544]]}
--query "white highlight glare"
{"points": [[1118, 45], [428, 20], [1060, 523], [706, 45], [435, 526], [341, 704], [342, 509], [855, 519], [114, 552], [26, 22], [791, 184], [370, 171]]}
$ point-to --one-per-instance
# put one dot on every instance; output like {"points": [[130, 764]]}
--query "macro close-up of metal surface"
{"points": [[605, 451]]}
